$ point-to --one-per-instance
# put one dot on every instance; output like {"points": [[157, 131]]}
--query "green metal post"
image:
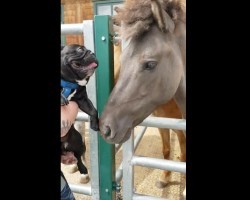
{"points": [[103, 29]]}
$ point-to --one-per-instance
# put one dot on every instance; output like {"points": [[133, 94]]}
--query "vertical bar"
{"points": [[137, 139], [63, 38], [128, 169], [88, 35], [105, 83]]}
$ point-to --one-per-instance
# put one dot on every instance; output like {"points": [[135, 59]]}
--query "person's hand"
{"points": [[68, 158], [68, 115]]}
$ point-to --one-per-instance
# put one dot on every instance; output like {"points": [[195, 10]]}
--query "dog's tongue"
{"points": [[92, 65]]}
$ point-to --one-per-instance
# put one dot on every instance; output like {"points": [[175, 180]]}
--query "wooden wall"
{"points": [[75, 11]]}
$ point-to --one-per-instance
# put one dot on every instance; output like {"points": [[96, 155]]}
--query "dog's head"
{"points": [[77, 63]]}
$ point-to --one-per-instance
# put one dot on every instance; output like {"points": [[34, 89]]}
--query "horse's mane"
{"points": [[136, 16]]}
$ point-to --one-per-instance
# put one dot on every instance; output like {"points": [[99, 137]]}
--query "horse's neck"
{"points": [[180, 33], [180, 95]]}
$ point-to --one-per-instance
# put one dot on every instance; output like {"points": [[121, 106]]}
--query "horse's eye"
{"points": [[150, 65]]}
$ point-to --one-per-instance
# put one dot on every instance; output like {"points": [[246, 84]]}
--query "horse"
{"points": [[152, 75]]}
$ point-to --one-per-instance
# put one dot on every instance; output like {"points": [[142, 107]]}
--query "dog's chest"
{"points": [[83, 82], [65, 145], [71, 95]]}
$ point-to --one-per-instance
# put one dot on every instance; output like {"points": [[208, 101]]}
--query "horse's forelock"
{"points": [[137, 18], [135, 30]]}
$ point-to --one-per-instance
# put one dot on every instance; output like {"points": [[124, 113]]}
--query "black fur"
{"points": [[75, 61], [73, 142]]}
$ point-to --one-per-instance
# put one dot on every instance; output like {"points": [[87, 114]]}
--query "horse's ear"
{"points": [[164, 21]]}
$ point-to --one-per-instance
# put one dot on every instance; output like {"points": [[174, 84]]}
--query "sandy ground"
{"points": [[144, 178]]}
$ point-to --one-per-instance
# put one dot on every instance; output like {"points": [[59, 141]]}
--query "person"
{"points": [[68, 115]]}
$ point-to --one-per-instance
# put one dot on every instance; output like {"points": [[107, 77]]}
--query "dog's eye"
{"points": [[77, 64]]}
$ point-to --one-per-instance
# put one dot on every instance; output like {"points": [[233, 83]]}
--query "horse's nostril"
{"points": [[107, 131]]}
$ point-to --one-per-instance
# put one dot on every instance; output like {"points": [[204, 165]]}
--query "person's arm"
{"points": [[68, 116]]}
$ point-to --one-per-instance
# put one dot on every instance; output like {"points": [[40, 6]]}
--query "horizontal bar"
{"points": [[137, 196], [162, 122], [72, 29], [81, 189], [78, 29], [159, 163], [158, 122]]}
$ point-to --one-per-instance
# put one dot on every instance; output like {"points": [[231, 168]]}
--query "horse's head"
{"points": [[152, 66]]}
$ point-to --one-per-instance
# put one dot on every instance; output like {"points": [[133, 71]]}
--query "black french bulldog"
{"points": [[77, 66]]}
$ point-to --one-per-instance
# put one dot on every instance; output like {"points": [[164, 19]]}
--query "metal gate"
{"points": [[105, 180]]}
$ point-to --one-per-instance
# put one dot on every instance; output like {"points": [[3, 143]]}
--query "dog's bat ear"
{"points": [[83, 46], [62, 47]]}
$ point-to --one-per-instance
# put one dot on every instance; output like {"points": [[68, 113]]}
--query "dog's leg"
{"points": [[80, 127], [76, 144], [83, 170], [81, 98], [88, 108]]}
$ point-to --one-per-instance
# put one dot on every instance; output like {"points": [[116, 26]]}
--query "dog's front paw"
{"points": [[94, 123]]}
